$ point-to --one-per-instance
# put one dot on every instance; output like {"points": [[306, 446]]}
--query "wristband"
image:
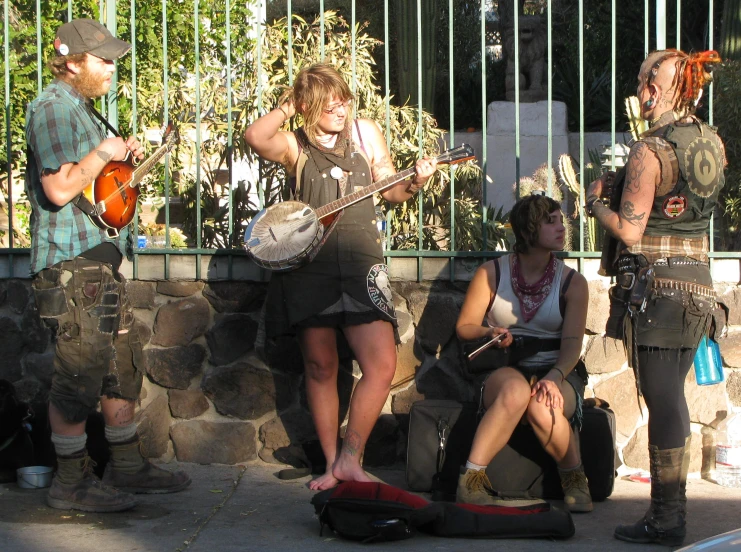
{"points": [[589, 207], [563, 376], [284, 113]]}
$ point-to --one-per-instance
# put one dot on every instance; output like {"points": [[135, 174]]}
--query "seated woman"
{"points": [[530, 293]]}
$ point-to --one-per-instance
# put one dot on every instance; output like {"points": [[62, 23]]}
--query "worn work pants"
{"points": [[98, 348]]}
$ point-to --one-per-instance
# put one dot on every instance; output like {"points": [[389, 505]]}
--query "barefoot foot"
{"points": [[326, 481], [346, 468]]}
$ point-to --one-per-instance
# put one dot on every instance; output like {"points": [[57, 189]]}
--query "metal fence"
{"points": [[240, 24]]}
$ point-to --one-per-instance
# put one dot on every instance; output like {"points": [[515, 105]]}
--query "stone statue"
{"points": [[532, 59]]}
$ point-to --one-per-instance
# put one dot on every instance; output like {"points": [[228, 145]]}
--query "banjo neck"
{"points": [[355, 197]]}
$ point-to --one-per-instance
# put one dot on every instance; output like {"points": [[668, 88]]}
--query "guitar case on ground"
{"points": [[373, 512]]}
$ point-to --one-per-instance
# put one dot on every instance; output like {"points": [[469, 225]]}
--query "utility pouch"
{"points": [[643, 285], [492, 358]]}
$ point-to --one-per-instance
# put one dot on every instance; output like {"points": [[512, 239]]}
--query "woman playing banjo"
{"points": [[346, 285]]}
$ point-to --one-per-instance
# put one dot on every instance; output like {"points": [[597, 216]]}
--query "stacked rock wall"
{"points": [[217, 392]]}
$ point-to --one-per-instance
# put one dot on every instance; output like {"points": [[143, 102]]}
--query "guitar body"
{"points": [[111, 200], [112, 191]]}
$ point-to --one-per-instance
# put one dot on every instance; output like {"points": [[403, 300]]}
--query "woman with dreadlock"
{"points": [[662, 302]]}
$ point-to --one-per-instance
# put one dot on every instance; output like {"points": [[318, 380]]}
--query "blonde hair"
{"points": [[58, 65], [312, 91]]}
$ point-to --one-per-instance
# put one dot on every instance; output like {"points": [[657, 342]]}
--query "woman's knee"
{"points": [[513, 398], [542, 416], [321, 371]]}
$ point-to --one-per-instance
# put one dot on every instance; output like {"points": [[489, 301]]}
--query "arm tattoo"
{"points": [[636, 167], [627, 213], [104, 155], [87, 177], [352, 444], [378, 168], [565, 337]]}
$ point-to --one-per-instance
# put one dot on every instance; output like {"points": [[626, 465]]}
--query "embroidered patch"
{"points": [[701, 162], [379, 289], [674, 206]]}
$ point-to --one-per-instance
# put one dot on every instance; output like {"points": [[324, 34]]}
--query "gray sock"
{"points": [[471, 466], [120, 434], [567, 470], [67, 445]]}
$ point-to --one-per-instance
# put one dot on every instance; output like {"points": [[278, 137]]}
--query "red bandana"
{"points": [[532, 296]]}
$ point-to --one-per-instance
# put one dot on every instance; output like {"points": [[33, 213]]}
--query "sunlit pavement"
{"points": [[243, 508]]}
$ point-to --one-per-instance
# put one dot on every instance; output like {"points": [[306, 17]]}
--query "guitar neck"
{"points": [[142, 170], [355, 197]]}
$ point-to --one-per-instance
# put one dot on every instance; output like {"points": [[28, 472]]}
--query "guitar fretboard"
{"points": [[355, 197], [142, 170]]}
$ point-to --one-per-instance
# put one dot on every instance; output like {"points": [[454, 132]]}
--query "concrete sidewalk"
{"points": [[244, 508]]}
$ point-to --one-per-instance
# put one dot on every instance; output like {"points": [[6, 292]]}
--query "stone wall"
{"points": [[216, 392]]}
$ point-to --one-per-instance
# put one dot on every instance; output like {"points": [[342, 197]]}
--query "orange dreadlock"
{"points": [[693, 73]]}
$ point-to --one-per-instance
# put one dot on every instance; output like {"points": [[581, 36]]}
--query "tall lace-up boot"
{"points": [[75, 487], [129, 471], [683, 477], [664, 522]]}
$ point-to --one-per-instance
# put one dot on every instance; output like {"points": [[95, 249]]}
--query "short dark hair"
{"points": [[526, 216], [58, 64]]}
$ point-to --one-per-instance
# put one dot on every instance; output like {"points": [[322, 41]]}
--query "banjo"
{"points": [[289, 234]]}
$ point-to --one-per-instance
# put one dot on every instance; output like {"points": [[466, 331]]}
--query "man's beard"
{"points": [[90, 85]]}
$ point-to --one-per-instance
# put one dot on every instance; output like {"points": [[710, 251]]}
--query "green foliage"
{"points": [[727, 112]]}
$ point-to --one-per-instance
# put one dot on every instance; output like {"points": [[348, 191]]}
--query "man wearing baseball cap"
{"points": [[79, 291]]}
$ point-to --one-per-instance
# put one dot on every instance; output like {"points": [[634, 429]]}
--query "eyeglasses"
{"points": [[333, 109]]}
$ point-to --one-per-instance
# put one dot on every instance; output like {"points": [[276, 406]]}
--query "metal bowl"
{"points": [[34, 477]]}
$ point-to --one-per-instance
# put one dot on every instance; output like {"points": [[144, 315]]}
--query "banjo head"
{"points": [[281, 236]]}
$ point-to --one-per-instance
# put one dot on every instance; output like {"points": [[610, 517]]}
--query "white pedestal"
{"points": [[501, 162]]}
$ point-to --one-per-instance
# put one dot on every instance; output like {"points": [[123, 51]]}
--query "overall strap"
{"points": [[360, 137]]}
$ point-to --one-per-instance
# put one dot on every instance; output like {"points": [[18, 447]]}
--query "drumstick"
{"points": [[496, 339]]}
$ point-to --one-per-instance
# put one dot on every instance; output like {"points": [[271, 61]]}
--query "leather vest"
{"points": [[694, 152]]}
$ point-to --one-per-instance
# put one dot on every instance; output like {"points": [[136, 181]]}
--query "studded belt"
{"points": [[679, 261], [681, 285]]}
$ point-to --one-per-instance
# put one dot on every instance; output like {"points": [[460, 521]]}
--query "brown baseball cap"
{"points": [[81, 36]]}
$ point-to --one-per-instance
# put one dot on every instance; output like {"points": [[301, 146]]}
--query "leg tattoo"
{"points": [[352, 444]]}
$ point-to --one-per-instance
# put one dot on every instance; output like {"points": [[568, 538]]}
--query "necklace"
{"points": [[327, 141]]}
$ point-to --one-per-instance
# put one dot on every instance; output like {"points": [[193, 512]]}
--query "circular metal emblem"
{"points": [[701, 161]]}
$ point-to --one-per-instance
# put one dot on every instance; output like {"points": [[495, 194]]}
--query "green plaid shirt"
{"points": [[60, 129]]}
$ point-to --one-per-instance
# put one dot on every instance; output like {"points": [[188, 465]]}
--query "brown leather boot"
{"points": [[576, 496], [474, 488], [129, 471], [75, 487], [664, 522]]}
